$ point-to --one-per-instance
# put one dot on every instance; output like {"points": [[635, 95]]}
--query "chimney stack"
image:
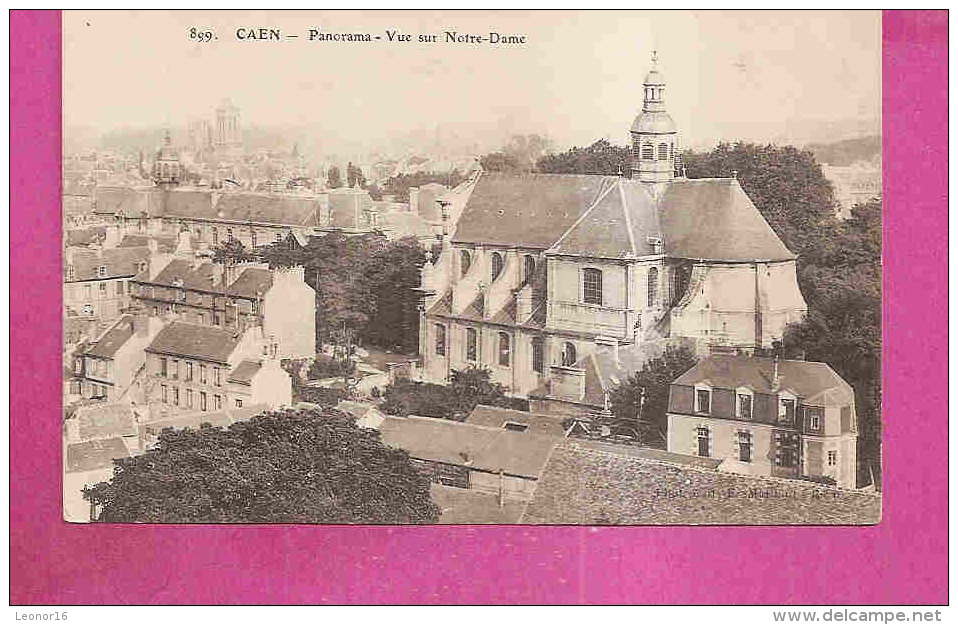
{"points": [[776, 382], [414, 200]]}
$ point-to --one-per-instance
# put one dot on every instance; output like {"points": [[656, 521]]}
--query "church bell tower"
{"points": [[654, 136]]}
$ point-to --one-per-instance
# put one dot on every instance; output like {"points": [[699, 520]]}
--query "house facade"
{"points": [[203, 368], [542, 270], [107, 366], [190, 288], [96, 280], [761, 416]]}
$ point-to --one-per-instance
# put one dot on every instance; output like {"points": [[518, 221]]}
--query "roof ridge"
{"points": [[595, 202]]}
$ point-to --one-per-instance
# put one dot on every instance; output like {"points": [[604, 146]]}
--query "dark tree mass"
{"points": [[280, 467]]}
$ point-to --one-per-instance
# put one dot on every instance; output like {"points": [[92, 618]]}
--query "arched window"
{"points": [[465, 260], [538, 354], [592, 286], [648, 152], [471, 344], [496, 265], [252, 238], [440, 339], [216, 237], [663, 151], [504, 349], [528, 268], [653, 285], [568, 354]]}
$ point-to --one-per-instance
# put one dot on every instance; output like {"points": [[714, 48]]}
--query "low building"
{"points": [[96, 280], [490, 459], [208, 369], [788, 418], [367, 415], [589, 483], [516, 420], [106, 367], [233, 296]]}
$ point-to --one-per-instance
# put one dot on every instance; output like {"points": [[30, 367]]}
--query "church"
{"points": [[547, 272]]}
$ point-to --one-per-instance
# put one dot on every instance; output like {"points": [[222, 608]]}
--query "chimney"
{"points": [[414, 200], [112, 238], [776, 382], [184, 246], [69, 255]]}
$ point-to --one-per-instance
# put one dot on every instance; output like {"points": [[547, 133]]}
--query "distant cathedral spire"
{"points": [[654, 135]]}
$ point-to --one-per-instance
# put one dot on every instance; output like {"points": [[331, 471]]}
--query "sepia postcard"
{"points": [[472, 267]]}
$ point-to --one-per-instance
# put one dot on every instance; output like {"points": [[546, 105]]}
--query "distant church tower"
{"points": [[654, 137], [166, 167], [229, 133]]}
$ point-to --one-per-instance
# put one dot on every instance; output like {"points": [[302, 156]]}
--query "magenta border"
{"points": [[903, 560]]}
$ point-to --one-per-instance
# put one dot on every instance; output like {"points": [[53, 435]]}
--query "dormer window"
{"points": [[71, 272], [813, 416], [786, 408], [743, 402], [703, 399], [101, 271], [648, 152]]}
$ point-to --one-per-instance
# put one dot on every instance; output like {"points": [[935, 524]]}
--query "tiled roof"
{"points": [[97, 454], [195, 420], [401, 223], [163, 243], [101, 421], [113, 339], [252, 282], [490, 416], [807, 379], [530, 210], [428, 207], [195, 341], [198, 277], [489, 449], [84, 236], [119, 262], [348, 209], [245, 371], [587, 486]]}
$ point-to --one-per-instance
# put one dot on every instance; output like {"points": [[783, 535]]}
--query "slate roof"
{"points": [[113, 339], [96, 454], [807, 379], [102, 421], [349, 208], [266, 208], [189, 340], [490, 449], [120, 262], [252, 282], [245, 371], [589, 486], [195, 420], [713, 219], [490, 416], [199, 278], [529, 210], [613, 217]]}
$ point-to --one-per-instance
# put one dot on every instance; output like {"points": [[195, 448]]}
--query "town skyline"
{"points": [[763, 77]]}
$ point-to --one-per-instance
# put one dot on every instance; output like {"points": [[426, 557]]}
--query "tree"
{"points": [[467, 389], [785, 184], [305, 466], [501, 162], [231, 252], [643, 398], [393, 275], [525, 150], [334, 179], [474, 386], [843, 325], [599, 158]]}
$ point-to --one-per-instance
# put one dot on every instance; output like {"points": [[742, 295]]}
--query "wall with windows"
{"points": [[746, 447], [572, 306], [104, 299], [188, 383]]}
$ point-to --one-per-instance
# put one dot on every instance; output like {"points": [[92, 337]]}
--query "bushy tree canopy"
{"points": [[281, 467], [467, 388], [652, 384], [599, 158]]}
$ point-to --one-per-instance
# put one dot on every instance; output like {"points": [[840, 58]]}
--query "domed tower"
{"points": [[166, 167], [654, 137]]}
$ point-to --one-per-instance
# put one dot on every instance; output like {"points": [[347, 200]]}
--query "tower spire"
{"points": [[654, 135]]}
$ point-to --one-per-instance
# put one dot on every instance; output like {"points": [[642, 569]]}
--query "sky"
{"points": [[730, 75]]}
